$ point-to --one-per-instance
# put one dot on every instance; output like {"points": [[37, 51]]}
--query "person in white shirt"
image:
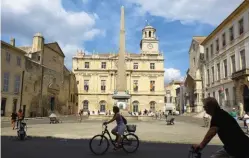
{"points": [[246, 119]]}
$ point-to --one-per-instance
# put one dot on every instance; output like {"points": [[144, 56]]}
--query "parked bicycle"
{"points": [[22, 131], [129, 139], [193, 153]]}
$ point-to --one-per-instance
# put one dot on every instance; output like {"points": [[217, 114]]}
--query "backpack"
{"points": [[125, 121]]}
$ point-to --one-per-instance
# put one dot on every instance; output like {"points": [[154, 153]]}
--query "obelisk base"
{"points": [[124, 112]]}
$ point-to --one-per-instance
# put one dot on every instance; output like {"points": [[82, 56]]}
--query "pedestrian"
{"points": [[166, 114], [233, 113], [236, 143], [13, 119], [20, 117], [80, 114], [245, 119]]}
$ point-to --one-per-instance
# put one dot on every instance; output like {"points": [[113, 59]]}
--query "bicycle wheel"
{"points": [[130, 143], [102, 144]]}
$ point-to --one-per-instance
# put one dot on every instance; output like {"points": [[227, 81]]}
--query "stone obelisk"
{"points": [[121, 95], [121, 73]]}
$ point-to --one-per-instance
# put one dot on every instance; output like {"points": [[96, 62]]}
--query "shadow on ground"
{"points": [[44, 147]]}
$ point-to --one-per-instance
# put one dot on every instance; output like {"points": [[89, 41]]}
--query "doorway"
{"points": [[14, 105], [3, 105], [52, 101], [246, 98]]}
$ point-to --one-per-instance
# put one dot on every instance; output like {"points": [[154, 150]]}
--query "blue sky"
{"points": [[93, 25]]}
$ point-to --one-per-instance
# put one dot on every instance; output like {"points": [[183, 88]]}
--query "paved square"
{"points": [[155, 136]]}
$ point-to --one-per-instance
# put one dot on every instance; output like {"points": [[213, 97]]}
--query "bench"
{"points": [[171, 121]]}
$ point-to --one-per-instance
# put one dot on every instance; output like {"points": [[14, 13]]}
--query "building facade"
{"points": [[193, 82], [48, 85], [170, 91], [96, 77], [12, 71], [226, 65], [180, 98]]}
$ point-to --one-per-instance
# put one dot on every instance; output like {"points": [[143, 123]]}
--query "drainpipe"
{"points": [[23, 72]]}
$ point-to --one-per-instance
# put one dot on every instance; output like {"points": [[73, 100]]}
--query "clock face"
{"points": [[150, 46]]}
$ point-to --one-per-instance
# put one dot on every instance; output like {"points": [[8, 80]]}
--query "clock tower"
{"points": [[149, 42]]}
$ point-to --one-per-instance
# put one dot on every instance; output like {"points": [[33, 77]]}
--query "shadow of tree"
{"points": [[48, 147]]}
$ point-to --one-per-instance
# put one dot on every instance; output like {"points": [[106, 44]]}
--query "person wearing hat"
{"points": [[233, 113]]}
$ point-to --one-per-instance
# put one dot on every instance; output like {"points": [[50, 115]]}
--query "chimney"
{"points": [[12, 42]]}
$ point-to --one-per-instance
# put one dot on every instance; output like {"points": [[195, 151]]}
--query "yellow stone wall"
{"points": [[13, 69]]}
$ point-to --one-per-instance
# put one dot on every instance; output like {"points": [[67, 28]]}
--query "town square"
{"points": [[174, 80]]}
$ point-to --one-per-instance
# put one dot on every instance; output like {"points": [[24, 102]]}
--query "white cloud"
{"points": [[23, 18], [188, 11], [172, 74]]}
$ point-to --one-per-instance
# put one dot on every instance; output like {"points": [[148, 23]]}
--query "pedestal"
{"points": [[121, 99]]}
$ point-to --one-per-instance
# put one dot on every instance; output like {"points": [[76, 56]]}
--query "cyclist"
{"points": [[119, 129], [236, 143]]}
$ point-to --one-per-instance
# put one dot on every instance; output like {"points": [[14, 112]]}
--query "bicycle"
{"points": [[125, 140], [193, 153]]}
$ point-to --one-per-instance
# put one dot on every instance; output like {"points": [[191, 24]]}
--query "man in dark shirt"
{"points": [[236, 143]]}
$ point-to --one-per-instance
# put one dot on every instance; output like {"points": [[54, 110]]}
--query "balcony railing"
{"points": [[240, 74]]}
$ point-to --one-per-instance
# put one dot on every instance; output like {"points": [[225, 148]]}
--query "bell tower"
{"points": [[149, 42]]}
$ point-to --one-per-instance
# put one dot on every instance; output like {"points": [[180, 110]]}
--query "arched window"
{"points": [[85, 105], [149, 33], [135, 106], [102, 105], [152, 106]]}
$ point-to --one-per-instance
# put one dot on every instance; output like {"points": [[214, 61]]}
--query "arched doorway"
{"points": [[85, 105], [102, 106], [246, 98], [135, 106], [153, 106]]}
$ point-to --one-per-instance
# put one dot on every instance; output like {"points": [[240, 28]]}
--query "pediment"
{"points": [[55, 46]]}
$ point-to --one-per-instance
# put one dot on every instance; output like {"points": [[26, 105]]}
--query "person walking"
{"points": [[13, 119], [236, 143], [20, 117]]}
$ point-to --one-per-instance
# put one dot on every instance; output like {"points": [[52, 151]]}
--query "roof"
{"points": [[237, 11], [108, 55], [13, 47], [55, 47], [199, 39]]}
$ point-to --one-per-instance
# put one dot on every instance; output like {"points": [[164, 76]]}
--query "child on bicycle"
{"points": [[118, 131]]}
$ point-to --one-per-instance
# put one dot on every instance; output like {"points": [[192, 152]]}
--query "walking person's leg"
{"points": [[114, 132]]}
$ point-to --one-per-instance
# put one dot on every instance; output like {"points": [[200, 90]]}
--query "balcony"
{"points": [[240, 74]]}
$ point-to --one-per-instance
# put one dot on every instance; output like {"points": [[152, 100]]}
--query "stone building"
{"points": [[96, 77], [181, 98], [12, 70], [48, 84], [170, 91], [193, 82], [226, 68], [170, 95]]}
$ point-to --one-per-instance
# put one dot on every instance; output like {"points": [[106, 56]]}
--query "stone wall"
{"points": [[41, 84]]}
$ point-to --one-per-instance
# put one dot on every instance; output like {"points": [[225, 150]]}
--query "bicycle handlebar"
{"points": [[198, 150]]}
